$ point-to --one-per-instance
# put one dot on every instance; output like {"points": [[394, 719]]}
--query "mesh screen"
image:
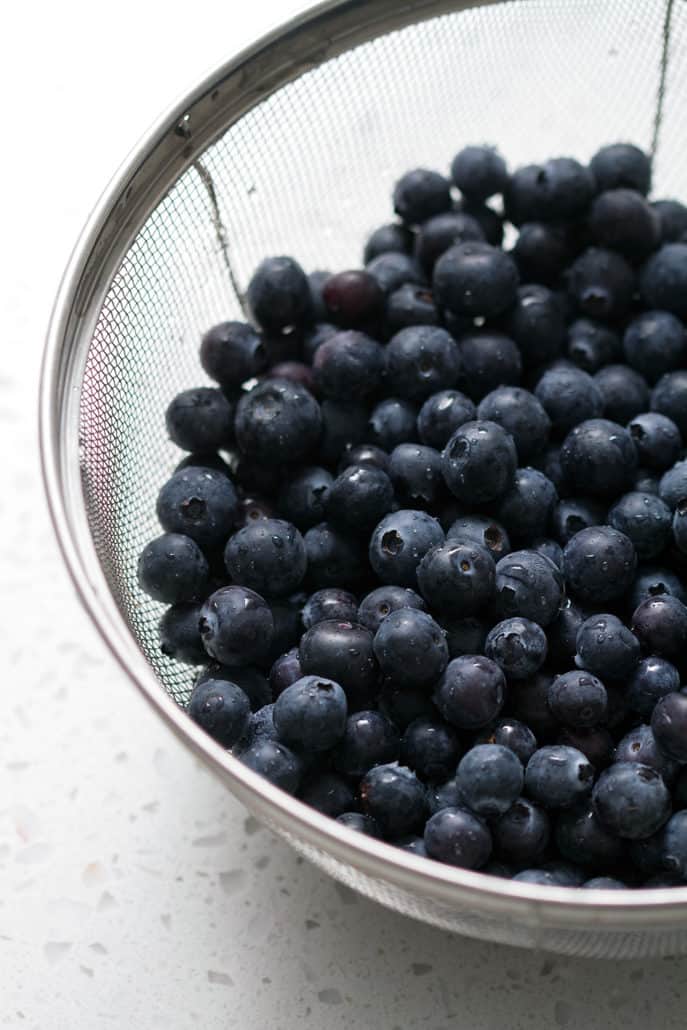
{"points": [[309, 172]]}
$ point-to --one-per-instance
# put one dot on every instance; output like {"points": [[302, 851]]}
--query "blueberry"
{"points": [[359, 822], [513, 734], [285, 671], [624, 392], [204, 460], [489, 220], [490, 778], [596, 742], [606, 647], [222, 709], [343, 426], [679, 526], [343, 652], [657, 440], [393, 270], [252, 681], [334, 559], [672, 487], [328, 793], [518, 646], [359, 497], [669, 395], [457, 837], [604, 883], [172, 568], [402, 705], [651, 680], [529, 704], [674, 845], [279, 294], [591, 345], [440, 232], [275, 762], [669, 725], [559, 189], [295, 372], [526, 509], [440, 416], [431, 749], [540, 877], [578, 699], [444, 795], [200, 419], [645, 519], [416, 474], [521, 414], [471, 692], [311, 714], [660, 623], [421, 193], [365, 454], [457, 576], [348, 366], [568, 396], [645, 482], [573, 514], [631, 800], [369, 739], [395, 798], [548, 549], [479, 172], [353, 299], [562, 634], [537, 324], [663, 281], [489, 360], [599, 564], [522, 834], [410, 305], [541, 252], [557, 776], [278, 421], [330, 603], [199, 503], [380, 603], [622, 165], [652, 581], [399, 543], [315, 336], [479, 462], [392, 422], [283, 345], [601, 284], [316, 281], [639, 745], [598, 457], [261, 726], [465, 636], [391, 237], [179, 634], [236, 626], [672, 217], [268, 556], [253, 509], [411, 648], [475, 279], [655, 343], [481, 530], [623, 220], [231, 353], [303, 497], [582, 837], [421, 360], [528, 585]]}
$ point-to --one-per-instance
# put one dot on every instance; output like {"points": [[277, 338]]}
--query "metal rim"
{"points": [[555, 907]]}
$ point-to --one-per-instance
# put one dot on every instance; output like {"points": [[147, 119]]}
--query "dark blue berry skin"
{"points": [[655, 343], [348, 366], [465, 636], [679, 526], [549, 549], [411, 648], [267, 556], [421, 360], [479, 462], [393, 270], [392, 422], [222, 709], [562, 635], [672, 217], [431, 749], [369, 739], [311, 714], [513, 734], [481, 530], [598, 458], [591, 345], [316, 281], [537, 324], [625, 393], [672, 487], [528, 702], [645, 482], [621, 165], [631, 800], [253, 509], [172, 568], [651, 680], [490, 778], [663, 282], [522, 834], [582, 838], [599, 564], [236, 626], [444, 795], [471, 692], [278, 421], [526, 509], [604, 883], [231, 353], [520, 413], [200, 419], [578, 699], [674, 845], [606, 647], [330, 603], [660, 623], [596, 743], [518, 646], [366, 455], [328, 793], [252, 681], [303, 497], [669, 395], [539, 877], [400, 542], [557, 776], [199, 503], [568, 395], [416, 474], [479, 172], [601, 284], [561, 188], [394, 797], [205, 460], [639, 745], [179, 633], [343, 652], [315, 337], [669, 725], [528, 585], [566, 873], [440, 416], [437, 234], [353, 299], [411, 843], [274, 762], [286, 614], [359, 497], [260, 726], [541, 252], [645, 519], [359, 822], [410, 305], [381, 602], [489, 360], [657, 440], [285, 671], [334, 559], [475, 279], [295, 372], [652, 581], [278, 295], [457, 837], [457, 576], [402, 705], [623, 220], [421, 193], [391, 237]]}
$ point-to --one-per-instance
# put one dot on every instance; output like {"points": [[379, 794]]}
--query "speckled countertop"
{"points": [[134, 891]]}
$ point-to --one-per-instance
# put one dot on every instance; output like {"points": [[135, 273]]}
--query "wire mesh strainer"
{"points": [[293, 147]]}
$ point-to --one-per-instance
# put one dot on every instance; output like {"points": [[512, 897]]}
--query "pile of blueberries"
{"points": [[430, 541]]}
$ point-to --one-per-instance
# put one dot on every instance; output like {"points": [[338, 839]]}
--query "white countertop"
{"points": [[134, 891]]}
